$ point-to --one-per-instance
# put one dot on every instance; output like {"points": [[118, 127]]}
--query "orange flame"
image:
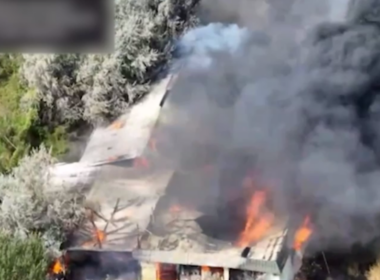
{"points": [[58, 267], [98, 237], [257, 224], [302, 234], [205, 269], [212, 270], [158, 271]]}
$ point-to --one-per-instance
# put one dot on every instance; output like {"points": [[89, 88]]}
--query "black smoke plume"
{"points": [[298, 94]]}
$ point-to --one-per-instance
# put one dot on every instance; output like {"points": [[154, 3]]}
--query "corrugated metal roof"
{"points": [[128, 136], [264, 256], [120, 208]]}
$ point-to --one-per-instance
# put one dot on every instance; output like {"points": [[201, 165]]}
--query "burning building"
{"points": [[136, 221], [173, 221], [139, 224]]}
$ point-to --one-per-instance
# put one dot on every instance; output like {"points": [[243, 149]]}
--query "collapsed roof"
{"points": [[134, 207], [131, 212]]}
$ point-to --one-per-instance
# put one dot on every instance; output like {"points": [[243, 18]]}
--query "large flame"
{"points": [[258, 221], [302, 234]]}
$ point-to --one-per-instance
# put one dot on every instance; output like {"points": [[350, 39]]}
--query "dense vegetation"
{"points": [[20, 127], [22, 258], [45, 98], [30, 204]]}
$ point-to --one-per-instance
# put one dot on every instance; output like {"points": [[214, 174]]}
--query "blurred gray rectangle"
{"points": [[56, 25]]}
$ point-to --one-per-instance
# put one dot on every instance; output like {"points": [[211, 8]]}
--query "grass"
{"points": [[20, 129], [22, 259]]}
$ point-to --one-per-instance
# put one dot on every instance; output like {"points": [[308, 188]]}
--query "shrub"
{"points": [[20, 128], [101, 86], [54, 78], [31, 205], [22, 258]]}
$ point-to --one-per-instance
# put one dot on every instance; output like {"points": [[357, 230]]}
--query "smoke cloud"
{"points": [[293, 92]]}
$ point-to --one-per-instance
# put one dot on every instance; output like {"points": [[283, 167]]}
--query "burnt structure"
{"points": [[138, 227], [154, 222]]}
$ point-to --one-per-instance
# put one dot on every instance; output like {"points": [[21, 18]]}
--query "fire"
{"points": [[257, 223], [97, 237], [58, 267], [205, 269], [158, 271], [212, 270], [302, 234], [100, 235]]}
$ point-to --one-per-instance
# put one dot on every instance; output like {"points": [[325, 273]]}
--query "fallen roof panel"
{"points": [[120, 208], [128, 136]]}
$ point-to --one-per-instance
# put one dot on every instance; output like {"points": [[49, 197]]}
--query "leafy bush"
{"points": [[101, 86], [22, 259], [31, 205], [20, 129]]}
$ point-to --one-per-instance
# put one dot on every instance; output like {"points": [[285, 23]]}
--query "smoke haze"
{"points": [[296, 88]]}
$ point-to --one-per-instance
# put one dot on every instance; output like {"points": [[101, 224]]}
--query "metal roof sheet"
{"points": [[127, 137]]}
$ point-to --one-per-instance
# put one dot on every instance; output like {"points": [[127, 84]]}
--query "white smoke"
{"points": [[197, 44], [338, 10]]}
